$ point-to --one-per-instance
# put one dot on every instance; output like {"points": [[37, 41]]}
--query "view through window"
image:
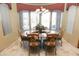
{"points": [[54, 16], [25, 20], [34, 19], [46, 19]]}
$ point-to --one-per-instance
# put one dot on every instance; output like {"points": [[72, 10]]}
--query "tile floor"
{"points": [[16, 50]]}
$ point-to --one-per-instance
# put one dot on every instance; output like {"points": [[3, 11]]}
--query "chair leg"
{"points": [[38, 54], [38, 51], [46, 51], [56, 42], [21, 43], [29, 52], [61, 42], [55, 51]]}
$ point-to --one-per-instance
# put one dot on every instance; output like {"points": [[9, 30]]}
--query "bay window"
{"points": [[32, 19]]}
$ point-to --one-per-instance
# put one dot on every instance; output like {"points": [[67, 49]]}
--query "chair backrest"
{"points": [[61, 32], [33, 36], [52, 36], [23, 38], [19, 32], [51, 39], [33, 40]]}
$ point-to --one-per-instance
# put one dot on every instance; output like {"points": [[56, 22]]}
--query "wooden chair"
{"points": [[23, 38], [60, 37], [50, 44], [34, 44]]}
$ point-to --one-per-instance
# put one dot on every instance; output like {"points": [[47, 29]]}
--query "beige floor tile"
{"points": [[16, 50]]}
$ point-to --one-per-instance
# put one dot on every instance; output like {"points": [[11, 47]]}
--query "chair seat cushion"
{"points": [[59, 36], [33, 44], [50, 43]]}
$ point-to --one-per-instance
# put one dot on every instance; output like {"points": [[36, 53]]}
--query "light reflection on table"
{"points": [[41, 34]]}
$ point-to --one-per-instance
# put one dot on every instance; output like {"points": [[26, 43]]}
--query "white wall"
{"points": [[70, 19], [72, 35], [7, 40], [5, 15]]}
